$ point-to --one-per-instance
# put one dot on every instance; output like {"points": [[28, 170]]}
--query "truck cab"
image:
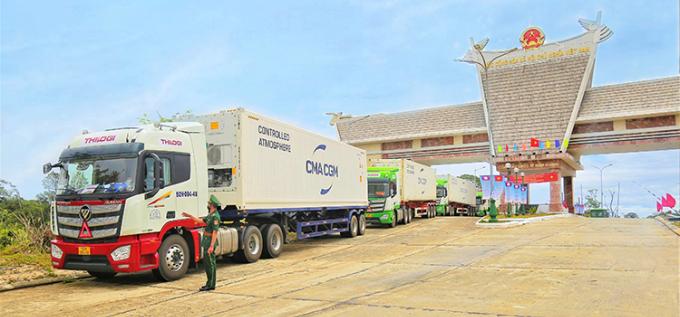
{"points": [[120, 194], [384, 197], [442, 198]]}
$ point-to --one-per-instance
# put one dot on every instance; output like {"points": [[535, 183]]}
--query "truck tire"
{"points": [[394, 219], [102, 275], [407, 215], [362, 224], [273, 241], [173, 258], [251, 246], [353, 228], [403, 216]]}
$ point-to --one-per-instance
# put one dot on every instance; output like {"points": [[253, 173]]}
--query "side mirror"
{"points": [[47, 168], [393, 189], [157, 173]]}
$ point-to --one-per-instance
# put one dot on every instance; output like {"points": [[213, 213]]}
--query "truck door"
{"points": [[163, 204]]}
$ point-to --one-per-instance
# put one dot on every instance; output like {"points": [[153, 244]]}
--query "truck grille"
{"points": [[103, 219], [377, 205]]}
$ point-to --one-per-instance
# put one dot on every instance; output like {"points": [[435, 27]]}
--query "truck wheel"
{"points": [[273, 241], [174, 258], [362, 224], [407, 215], [251, 246], [353, 228], [102, 275], [394, 219]]}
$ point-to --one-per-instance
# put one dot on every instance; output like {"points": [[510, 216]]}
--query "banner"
{"points": [[537, 178], [485, 180], [498, 186], [525, 194], [508, 192], [517, 193]]}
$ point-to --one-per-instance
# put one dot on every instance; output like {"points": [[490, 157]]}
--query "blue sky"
{"points": [[73, 65]]}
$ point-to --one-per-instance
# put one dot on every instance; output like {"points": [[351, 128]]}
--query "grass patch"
{"points": [[9, 259], [523, 216]]}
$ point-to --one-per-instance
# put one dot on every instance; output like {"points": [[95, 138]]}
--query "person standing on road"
{"points": [[209, 240]]}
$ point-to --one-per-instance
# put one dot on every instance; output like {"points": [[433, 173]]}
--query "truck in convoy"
{"points": [[456, 196], [121, 192], [398, 190]]}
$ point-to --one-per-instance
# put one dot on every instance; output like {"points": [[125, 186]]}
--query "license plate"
{"points": [[83, 250]]}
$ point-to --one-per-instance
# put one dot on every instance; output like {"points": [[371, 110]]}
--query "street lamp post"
{"points": [[601, 183], [508, 167], [523, 203], [493, 212], [516, 170]]}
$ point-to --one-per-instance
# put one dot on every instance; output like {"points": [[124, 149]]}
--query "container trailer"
{"points": [[122, 191]]}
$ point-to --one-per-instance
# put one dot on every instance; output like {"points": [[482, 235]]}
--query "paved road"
{"points": [[441, 267]]}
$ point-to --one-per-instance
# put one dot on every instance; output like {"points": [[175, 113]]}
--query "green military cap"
{"points": [[214, 201]]}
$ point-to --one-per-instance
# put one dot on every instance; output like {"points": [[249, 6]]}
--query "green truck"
{"points": [[383, 197], [456, 196]]}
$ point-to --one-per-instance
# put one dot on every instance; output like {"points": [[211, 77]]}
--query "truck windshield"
{"points": [[80, 177], [441, 191], [378, 189]]}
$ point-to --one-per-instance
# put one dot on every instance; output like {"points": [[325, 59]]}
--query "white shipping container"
{"points": [[260, 164], [417, 182], [461, 191]]}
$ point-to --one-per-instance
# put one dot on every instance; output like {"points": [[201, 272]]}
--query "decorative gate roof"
{"points": [[535, 92]]}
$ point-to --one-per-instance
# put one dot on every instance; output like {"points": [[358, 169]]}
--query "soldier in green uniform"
{"points": [[209, 241]]}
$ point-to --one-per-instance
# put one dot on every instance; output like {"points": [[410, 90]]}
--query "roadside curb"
{"points": [[668, 225], [518, 221], [41, 282]]}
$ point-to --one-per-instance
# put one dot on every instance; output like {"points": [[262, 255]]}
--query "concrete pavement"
{"points": [[440, 267]]}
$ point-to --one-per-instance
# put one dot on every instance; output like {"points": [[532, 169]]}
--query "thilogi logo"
{"points": [[323, 169]]}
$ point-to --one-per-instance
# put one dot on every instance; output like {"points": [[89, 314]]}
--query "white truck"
{"points": [[398, 190], [121, 192], [456, 196]]}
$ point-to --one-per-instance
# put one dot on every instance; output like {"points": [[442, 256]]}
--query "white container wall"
{"points": [[257, 163], [461, 191], [417, 182]]}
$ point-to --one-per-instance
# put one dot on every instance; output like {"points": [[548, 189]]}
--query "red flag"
{"points": [[670, 201], [658, 207], [534, 142], [664, 201], [507, 149]]}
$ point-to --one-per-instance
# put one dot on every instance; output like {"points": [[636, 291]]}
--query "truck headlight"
{"points": [[56, 252], [121, 253], [384, 217]]}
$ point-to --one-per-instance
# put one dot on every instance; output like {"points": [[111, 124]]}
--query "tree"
{"points": [[592, 199], [50, 183], [8, 191], [631, 215], [473, 179], [144, 119]]}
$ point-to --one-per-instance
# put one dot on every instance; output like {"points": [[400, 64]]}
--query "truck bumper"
{"points": [[97, 256], [380, 217], [440, 210]]}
